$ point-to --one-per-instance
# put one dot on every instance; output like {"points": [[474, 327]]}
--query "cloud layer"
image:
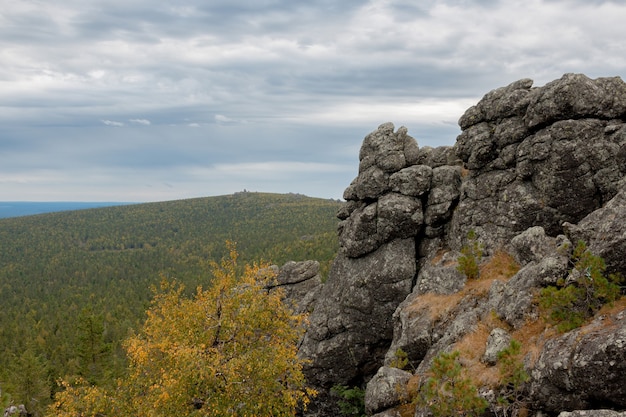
{"points": [[147, 100]]}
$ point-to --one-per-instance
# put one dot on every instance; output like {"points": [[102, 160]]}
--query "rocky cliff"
{"points": [[534, 171]]}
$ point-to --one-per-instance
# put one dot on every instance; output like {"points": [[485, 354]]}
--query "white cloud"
{"points": [[112, 123], [144, 122], [225, 120]]}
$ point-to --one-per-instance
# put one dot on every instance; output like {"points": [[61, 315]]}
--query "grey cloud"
{"points": [[164, 89]]}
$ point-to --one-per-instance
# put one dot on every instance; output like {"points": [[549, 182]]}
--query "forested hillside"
{"points": [[74, 284]]}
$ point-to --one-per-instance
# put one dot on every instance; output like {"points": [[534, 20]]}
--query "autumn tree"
{"points": [[230, 350]]}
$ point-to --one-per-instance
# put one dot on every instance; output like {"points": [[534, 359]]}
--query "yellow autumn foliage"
{"points": [[231, 350]]}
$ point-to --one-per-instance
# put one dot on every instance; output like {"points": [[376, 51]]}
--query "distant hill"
{"points": [[29, 208], [61, 271]]}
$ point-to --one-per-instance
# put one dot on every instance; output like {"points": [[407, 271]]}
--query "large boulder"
{"points": [[350, 326], [533, 170], [540, 157], [583, 368], [386, 389], [301, 282], [604, 231]]}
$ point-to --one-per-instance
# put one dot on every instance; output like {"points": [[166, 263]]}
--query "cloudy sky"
{"points": [[152, 100]]}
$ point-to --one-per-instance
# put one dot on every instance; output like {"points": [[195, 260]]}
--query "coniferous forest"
{"points": [[75, 284]]}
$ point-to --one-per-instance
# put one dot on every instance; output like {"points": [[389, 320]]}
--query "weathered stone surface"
{"points": [[498, 340], [386, 389], [592, 413], [350, 327], [358, 233], [439, 156], [550, 155], [412, 181], [604, 231], [301, 282], [530, 166], [399, 217], [387, 150], [371, 183], [575, 96], [500, 103], [583, 368], [532, 245], [440, 276], [443, 196]]}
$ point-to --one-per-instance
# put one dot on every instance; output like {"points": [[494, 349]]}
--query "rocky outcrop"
{"points": [[592, 413], [533, 170], [15, 411], [349, 328], [301, 283], [387, 389], [605, 232], [583, 368], [540, 156]]}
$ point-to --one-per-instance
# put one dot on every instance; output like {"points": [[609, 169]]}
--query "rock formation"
{"points": [[533, 170]]}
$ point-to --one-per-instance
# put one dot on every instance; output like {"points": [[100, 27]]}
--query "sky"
{"points": [[153, 100]]}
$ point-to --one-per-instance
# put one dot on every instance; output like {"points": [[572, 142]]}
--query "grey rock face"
{"points": [[540, 157], [350, 327], [532, 245], [499, 339], [575, 96], [301, 282], [604, 231], [386, 389], [440, 276], [584, 367], [533, 170]]}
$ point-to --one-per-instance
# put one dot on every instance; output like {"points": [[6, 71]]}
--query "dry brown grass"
{"points": [[438, 305], [500, 265], [613, 308], [407, 409], [532, 337], [472, 348]]}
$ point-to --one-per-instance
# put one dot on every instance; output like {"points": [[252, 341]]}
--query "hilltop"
{"points": [[70, 276]]}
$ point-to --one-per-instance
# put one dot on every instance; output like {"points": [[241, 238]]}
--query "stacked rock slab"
{"points": [[543, 167], [350, 327], [540, 156], [527, 162]]}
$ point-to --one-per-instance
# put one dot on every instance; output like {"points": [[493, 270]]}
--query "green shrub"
{"points": [[582, 294], [448, 392], [400, 360], [471, 254], [352, 400], [513, 376]]}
